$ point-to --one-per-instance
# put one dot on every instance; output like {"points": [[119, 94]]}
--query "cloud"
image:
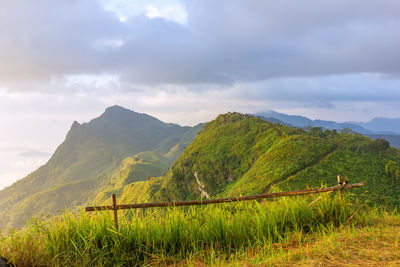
{"points": [[187, 61], [326, 89], [204, 42], [14, 166], [35, 154], [255, 54]]}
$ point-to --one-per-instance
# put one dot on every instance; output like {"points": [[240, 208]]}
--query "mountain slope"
{"points": [[84, 163], [240, 154]]}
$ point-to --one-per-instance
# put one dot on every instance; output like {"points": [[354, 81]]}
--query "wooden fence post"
{"points": [[340, 183], [115, 210]]}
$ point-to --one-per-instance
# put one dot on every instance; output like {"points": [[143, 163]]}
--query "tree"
{"points": [[330, 132], [392, 170], [347, 130], [379, 145], [317, 131]]}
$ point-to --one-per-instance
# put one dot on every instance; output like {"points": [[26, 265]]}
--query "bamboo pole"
{"points": [[222, 200], [340, 183], [115, 209]]}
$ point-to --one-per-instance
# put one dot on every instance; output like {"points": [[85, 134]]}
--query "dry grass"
{"points": [[370, 246], [376, 245]]}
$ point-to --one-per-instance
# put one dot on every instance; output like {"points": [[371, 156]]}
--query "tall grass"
{"points": [[155, 235]]}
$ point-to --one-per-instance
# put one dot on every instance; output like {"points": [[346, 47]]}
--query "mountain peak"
{"points": [[74, 128], [116, 108], [75, 124], [125, 117]]}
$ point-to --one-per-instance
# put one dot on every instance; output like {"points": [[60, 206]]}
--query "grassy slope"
{"points": [[133, 169], [375, 245], [238, 154], [175, 234], [137, 169]]}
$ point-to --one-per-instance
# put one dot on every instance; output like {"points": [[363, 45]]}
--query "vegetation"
{"points": [[239, 154], [232, 155], [392, 170], [374, 245], [172, 235], [379, 145], [91, 154]]}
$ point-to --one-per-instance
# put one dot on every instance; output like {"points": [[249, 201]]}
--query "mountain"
{"points": [[130, 154], [85, 163], [293, 120], [377, 128], [238, 154], [381, 124], [302, 122]]}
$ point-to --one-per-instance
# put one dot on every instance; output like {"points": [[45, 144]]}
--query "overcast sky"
{"points": [[186, 62]]}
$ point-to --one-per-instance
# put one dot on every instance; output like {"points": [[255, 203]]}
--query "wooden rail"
{"points": [[223, 200], [342, 185]]}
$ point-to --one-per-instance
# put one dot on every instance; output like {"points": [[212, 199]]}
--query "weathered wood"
{"points": [[115, 209], [224, 200], [340, 183], [339, 180]]}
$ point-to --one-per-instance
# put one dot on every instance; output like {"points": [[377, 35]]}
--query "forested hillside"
{"points": [[240, 154]]}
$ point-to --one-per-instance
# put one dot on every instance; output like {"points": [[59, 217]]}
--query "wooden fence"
{"points": [[342, 185]]}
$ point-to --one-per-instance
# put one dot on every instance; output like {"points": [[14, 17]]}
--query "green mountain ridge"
{"points": [[142, 159], [238, 154], [82, 165]]}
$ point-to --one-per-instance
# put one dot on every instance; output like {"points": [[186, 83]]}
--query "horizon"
{"points": [[186, 62]]}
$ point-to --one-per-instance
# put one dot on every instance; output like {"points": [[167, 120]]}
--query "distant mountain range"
{"points": [[381, 125], [375, 126], [386, 128]]}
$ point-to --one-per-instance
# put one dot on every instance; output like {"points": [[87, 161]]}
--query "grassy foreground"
{"points": [[219, 234], [377, 244]]}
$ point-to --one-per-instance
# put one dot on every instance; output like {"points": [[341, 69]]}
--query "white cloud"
{"points": [[108, 44], [176, 13], [172, 10]]}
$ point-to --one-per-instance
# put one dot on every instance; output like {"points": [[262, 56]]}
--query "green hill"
{"points": [[240, 154], [91, 154], [130, 154]]}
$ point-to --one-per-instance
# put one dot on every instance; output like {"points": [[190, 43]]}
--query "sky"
{"points": [[188, 61]]}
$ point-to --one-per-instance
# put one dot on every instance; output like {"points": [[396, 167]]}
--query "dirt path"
{"points": [[319, 160]]}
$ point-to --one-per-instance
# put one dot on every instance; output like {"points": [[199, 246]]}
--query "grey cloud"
{"points": [[321, 91], [224, 42]]}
